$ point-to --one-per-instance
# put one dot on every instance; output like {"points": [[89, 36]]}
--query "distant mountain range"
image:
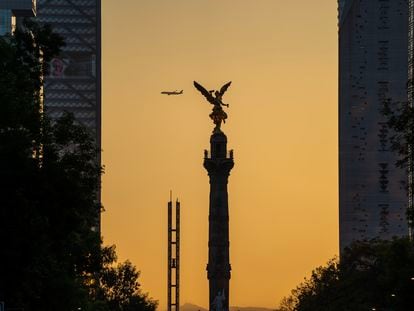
{"points": [[192, 307]]}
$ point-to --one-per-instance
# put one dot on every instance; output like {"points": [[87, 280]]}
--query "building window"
{"points": [[5, 22]]}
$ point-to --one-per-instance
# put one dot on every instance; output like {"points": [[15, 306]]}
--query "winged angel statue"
{"points": [[215, 98]]}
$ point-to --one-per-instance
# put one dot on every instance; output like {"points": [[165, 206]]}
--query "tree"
{"points": [[51, 256], [401, 122], [375, 274], [287, 303], [118, 286]]}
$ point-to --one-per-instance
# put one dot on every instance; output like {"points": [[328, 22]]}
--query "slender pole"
{"points": [[177, 256], [173, 257], [169, 253]]}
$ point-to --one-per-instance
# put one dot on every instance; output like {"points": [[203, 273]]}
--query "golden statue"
{"points": [[215, 98]]}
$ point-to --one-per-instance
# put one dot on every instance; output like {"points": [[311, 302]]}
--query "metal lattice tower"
{"points": [[173, 257]]}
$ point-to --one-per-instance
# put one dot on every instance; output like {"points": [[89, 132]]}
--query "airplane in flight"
{"points": [[172, 93]]}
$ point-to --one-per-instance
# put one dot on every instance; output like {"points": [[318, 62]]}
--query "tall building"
{"points": [[13, 11], [74, 82], [373, 69], [411, 103]]}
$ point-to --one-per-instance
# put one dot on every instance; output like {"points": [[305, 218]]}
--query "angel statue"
{"points": [[215, 98]]}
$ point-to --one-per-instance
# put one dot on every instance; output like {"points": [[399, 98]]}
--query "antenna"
{"points": [[173, 256]]}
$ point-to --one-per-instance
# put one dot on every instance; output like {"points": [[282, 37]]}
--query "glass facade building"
{"points": [[74, 81], [373, 62], [411, 103]]}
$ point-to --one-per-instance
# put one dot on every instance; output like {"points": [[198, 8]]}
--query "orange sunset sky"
{"points": [[282, 58]]}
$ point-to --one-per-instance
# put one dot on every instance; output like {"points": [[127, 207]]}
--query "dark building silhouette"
{"points": [[218, 165], [373, 69], [411, 102], [74, 82]]}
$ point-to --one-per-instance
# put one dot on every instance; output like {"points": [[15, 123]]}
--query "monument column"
{"points": [[218, 165]]}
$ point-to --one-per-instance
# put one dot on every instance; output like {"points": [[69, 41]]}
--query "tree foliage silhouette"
{"points": [[51, 256], [400, 119], [119, 287], [374, 274]]}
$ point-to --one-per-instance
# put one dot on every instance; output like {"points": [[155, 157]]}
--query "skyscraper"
{"points": [[411, 103], [74, 82], [373, 69]]}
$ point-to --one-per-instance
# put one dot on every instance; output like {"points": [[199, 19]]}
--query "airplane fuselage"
{"points": [[172, 93]]}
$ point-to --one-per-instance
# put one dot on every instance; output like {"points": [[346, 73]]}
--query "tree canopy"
{"points": [[371, 275], [51, 254], [400, 119]]}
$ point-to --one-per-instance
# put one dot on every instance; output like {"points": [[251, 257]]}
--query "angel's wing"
{"points": [[203, 91], [224, 88]]}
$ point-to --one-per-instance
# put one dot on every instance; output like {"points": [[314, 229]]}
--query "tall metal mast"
{"points": [[173, 256]]}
